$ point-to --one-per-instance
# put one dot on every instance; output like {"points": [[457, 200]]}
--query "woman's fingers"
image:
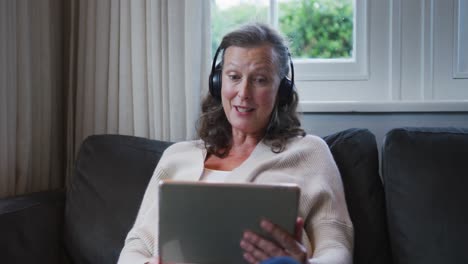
{"points": [[299, 228], [257, 249], [260, 247], [292, 246], [252, 253], [251, 259], [282, 237]]}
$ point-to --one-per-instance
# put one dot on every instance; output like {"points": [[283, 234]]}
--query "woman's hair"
{"points": [[214, 128]]}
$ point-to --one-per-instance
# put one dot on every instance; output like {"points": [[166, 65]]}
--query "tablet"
{"points": [[202, 222]]}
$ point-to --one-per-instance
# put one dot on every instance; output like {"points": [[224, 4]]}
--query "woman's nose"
{"points": [[244, 90]]}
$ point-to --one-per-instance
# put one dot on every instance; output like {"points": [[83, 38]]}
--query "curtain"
{"points": [[135, 67], [73, 68], [31, 96]]}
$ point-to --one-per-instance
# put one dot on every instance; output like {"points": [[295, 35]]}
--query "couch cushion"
{"points": [[31, 228], [105, 192], [355, 152], [426, 181]]}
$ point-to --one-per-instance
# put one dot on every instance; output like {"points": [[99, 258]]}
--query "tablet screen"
{"points": [[202, 222]]}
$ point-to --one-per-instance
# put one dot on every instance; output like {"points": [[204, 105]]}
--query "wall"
{"points": [[379, 124]]}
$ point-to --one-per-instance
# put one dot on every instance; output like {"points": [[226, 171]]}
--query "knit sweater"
{"points": [[306, 161]]}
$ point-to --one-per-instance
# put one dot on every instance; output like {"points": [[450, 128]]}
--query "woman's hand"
{"points": [[257, 249]]}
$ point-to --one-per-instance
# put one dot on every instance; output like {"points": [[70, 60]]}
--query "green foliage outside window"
{"points": [[318, 28], [315, 28], [223, 21]]}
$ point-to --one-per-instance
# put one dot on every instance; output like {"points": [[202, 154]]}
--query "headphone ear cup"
{"points": [[285, 91], [215, 82]]}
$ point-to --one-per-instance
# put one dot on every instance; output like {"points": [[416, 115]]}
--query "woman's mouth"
{"points": [[242, 109]]}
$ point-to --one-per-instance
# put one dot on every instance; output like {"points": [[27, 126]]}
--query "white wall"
{"points": [[379, 124]]}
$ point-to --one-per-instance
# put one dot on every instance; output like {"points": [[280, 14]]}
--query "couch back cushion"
{"points": [[356, 155], [110, 177], [425, 173]]}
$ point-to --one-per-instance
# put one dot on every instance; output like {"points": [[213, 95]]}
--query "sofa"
{"points": [[416, 216]]}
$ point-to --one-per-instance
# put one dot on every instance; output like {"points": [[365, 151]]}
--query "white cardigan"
{"points": [[306, 161]]}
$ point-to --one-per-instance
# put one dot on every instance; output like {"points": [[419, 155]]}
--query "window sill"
{"points": [[382, 106]]}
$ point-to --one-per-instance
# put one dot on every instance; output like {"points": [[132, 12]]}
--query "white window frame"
{"points": [[460, 41]]}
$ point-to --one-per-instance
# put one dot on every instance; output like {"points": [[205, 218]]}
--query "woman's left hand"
{"points": [[257, 249]]}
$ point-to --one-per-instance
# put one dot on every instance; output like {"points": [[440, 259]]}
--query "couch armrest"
{"points": [[31, 228]]}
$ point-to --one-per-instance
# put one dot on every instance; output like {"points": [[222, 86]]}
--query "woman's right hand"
{"points": [[258, 249]]}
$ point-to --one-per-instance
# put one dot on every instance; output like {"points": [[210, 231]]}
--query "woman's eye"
{"points": [[260, 80], [233, 77]]}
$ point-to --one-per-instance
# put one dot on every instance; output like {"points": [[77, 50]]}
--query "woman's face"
{"points": [[249, 87]]}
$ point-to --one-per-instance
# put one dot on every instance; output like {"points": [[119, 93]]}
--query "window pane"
{"points": [[318, 28], [227, 15]]}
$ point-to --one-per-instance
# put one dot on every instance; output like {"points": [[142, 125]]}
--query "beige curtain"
{"points": [[69, 69], [136, 67], [31, 96]]}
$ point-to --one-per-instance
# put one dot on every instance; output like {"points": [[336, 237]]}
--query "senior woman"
{"points": [[250, 132]]}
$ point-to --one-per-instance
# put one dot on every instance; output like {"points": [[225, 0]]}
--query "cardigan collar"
{"points": [[244, 173], [247, 170]]}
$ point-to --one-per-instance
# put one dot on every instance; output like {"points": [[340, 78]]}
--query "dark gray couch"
{"points": [[424, 171]]}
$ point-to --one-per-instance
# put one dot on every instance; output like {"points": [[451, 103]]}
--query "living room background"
{"points": [[74, 68]]}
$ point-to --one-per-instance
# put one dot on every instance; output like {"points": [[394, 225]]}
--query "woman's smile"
{"points": [[243, 109]]}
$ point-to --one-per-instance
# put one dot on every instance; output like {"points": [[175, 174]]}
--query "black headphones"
{"points": [[285, 90]]}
